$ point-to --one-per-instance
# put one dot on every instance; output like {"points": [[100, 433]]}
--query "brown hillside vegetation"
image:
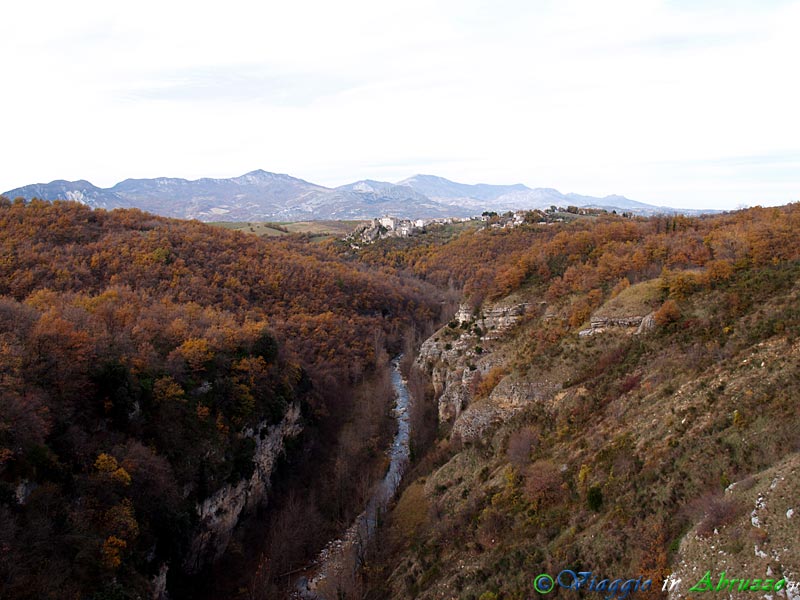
{"points": [[586, 254], [638, 437], [133, 350]]}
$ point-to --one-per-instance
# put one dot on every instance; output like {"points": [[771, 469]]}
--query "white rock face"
{"points": [[648, 324], [158, 586], [600, 324], [77, 196], [220, 513], [451, 359], [507, 399], [23, 490]]}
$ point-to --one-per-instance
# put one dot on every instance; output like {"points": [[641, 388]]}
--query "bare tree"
{"points": [[520, 445], [260, 585]]}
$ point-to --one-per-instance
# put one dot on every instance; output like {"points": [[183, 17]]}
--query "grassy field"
{"points": [[639, 299], [314, 228]]}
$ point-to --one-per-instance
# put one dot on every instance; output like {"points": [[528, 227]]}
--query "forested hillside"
{"points": [[136, 353], [603, 383], [617, 396], [595, 253]]}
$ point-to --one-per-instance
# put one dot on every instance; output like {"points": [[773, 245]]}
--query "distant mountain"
{"points": [[263, 196], [483, 196], [257, 195], [439, 188], [368, 198], [78, 191], [617, 201]]}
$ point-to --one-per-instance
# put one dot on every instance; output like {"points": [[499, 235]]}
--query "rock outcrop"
{"points": [[220, 513], [507, 399], [599, 324], [158, 585], [455, 354], [648, 324], [464, 350]]}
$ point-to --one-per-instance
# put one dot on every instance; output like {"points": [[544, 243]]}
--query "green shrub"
{"points": [[594, 498]]}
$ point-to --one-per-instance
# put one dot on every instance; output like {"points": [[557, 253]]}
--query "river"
{"points": [[338, 563]]}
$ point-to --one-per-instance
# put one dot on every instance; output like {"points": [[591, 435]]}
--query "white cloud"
{"points": [[636, 97]]}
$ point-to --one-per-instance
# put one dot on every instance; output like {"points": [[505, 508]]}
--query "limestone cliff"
{"points": [[508, 398], [220, 513], [462, 350], [460, 354]]}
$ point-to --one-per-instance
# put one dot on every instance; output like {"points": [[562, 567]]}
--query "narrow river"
{"points": [[339, 561]]}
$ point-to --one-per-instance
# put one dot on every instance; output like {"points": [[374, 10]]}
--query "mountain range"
{"points": [[264, 196]]}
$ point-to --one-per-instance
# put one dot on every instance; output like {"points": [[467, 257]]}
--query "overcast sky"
{"points": [[678, 103]]}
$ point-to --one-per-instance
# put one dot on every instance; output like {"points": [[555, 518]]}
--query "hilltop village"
{"points": [[390, 226]]}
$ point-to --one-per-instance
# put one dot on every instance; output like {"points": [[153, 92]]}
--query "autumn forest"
{"points": [[135, 350]]}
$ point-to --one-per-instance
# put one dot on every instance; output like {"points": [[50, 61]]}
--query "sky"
{"points": [[677, 103]]}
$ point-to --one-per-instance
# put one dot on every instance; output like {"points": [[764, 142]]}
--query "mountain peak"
{"points": [[367, 185], [421, 177], [72, 184], [260, 177], [262, 174], [260, 195]]}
